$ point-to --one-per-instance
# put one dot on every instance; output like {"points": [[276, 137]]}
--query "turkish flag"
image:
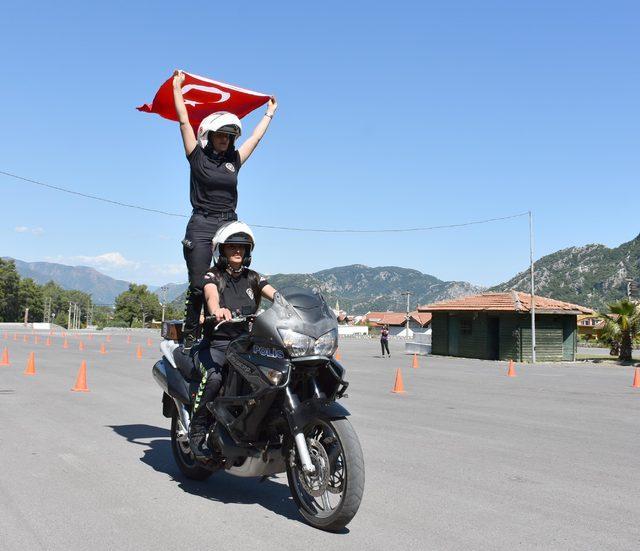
{"points": [[203, 96]]}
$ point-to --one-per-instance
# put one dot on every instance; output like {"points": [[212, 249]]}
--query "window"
{"points": [[465, 327]]}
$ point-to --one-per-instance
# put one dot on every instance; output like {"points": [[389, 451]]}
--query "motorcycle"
{"points": [[277, 409]]}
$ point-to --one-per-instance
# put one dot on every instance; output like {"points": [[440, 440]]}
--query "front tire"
{"points": [[183, 455], [337, 455]]}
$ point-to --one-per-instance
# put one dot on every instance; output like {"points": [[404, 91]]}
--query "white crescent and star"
{"points": [[224, 96]]}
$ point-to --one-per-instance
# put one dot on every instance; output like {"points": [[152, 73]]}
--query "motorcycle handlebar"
{"points": [[237, 319]]}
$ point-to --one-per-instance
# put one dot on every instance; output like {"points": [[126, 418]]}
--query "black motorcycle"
{"points": [[276, 410]]}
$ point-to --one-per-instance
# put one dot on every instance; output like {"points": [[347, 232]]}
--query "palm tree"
{"points": [[622, 327]]}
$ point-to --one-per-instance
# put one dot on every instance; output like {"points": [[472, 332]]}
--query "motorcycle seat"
{"points": [[210, 357], [185, 362]]}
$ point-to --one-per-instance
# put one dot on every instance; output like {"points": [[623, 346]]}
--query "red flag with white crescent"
{"points": [[203, 96]]}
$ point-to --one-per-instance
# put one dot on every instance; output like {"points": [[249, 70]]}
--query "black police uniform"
{"points": [[241, 295], [214, 197]]}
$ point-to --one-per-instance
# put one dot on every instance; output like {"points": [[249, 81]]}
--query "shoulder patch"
{"points": [[250, 293]]}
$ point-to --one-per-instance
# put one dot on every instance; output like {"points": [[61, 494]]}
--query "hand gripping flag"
{"points": [[203, 96]]}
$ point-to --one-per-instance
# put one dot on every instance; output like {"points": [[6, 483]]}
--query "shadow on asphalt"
{"points": [[220, 487]]}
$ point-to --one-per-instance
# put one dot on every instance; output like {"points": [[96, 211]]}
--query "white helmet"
{"points": [[220, 121], [233, 232]]}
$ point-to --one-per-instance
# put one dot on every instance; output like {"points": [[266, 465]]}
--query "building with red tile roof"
{"points": [[498, 326]]}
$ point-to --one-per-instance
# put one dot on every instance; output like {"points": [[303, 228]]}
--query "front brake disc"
{"points": [[315, 484]]}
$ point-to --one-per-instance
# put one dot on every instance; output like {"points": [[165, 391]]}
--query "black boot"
{"points": [[198, 436], [189, 341]]}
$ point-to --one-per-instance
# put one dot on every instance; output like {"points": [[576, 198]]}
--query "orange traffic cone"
{"points": [[511, 372], [636, 377], [81, 346], [36, 339], [398, 387], [139, 352], [108, 338], [81, 379], [90, 337], [25, 338], [5, 357], [415, 362], [15, 336], [337, 355], [128, 339], [103, 349], [65, 344], [31, 365], [149, 343], [48, 342]]}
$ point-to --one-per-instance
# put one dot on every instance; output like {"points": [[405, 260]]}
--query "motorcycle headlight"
{"points": [[273, 375], [326, 345], [296, 343]]}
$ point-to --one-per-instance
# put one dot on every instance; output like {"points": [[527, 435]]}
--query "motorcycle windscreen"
{"points": [[298, 309]]}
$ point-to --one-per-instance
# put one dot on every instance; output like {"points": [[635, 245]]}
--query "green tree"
{"points": [[9, 291], [622, 327], [137, 305], [30, 296]]}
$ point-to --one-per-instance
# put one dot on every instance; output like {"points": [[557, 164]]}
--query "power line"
{"points": [[286, 228]]}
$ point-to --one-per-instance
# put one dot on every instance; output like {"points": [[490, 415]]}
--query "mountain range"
{"points": [[592, 275]]}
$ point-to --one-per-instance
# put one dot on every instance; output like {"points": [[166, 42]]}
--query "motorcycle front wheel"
{"points": [[330, 497]]}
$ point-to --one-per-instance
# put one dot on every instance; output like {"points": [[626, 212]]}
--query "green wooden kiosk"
{"points": [[497, 326]]}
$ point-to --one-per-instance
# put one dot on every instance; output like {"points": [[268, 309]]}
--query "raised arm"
{"points": [[188, 137], [246, 149]]}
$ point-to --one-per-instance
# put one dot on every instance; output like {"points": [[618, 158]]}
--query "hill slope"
{"points": [[102, 288], [360, 289], [593, 275]]}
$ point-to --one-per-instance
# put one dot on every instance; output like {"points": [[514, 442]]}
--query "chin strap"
{"points": [[235, 270]]}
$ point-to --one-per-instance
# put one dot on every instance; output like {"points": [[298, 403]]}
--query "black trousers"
{"points": [[209, 368], [197, 252], [385, 344]]}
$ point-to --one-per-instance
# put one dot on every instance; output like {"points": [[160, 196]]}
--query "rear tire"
{"points": [[183, 456], [351, 475]]}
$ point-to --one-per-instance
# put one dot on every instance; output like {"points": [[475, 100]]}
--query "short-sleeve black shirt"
{"points": [[214, 180], [238, 296]]}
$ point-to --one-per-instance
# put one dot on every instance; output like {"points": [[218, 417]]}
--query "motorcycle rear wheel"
{"points": [[183, 456], [337, 455]]}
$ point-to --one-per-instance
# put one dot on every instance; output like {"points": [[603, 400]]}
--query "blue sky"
{"points": [[391, 115]]}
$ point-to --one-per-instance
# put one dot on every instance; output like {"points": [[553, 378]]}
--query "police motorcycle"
{"points": [[277, 409]]}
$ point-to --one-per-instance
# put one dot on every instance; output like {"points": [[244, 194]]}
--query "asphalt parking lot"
{"points": [[466, 459]]}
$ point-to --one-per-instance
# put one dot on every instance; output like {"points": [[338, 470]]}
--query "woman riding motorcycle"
{"points": [[230, 289]]}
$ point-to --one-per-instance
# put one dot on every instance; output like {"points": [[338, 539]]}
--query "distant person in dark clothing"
{"points": [[384, 340]]}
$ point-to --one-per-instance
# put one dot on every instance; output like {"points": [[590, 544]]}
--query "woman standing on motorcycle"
{"points": [[230, 289], [215, 163]]}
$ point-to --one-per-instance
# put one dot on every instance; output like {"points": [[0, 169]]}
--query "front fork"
{"points": [[293, 409]]}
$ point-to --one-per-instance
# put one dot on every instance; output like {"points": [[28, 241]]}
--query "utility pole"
{"points": [[406, 325], [164, 290], [533, 292], [26, 315], [47, 310], [90, 314], [69, 317]]}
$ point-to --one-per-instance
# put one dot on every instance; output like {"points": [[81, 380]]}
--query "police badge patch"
{"points": [[230, 167], [250, 293]]}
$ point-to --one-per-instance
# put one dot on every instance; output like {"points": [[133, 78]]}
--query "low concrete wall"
{"points": [[352, 330]]}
